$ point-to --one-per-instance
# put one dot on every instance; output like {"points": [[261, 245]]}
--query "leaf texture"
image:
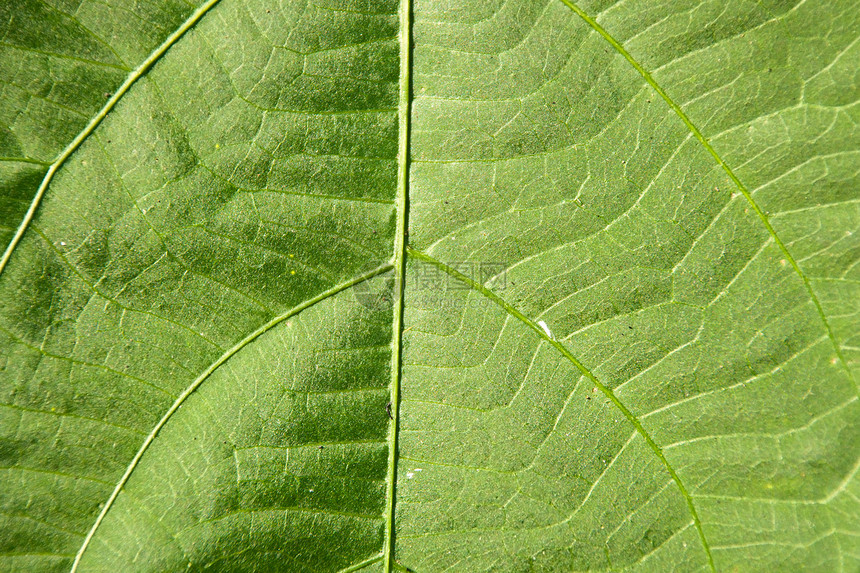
{"points": [[366, 286]]}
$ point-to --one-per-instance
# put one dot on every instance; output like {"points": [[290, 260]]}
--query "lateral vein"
{"points": [[510, 309], [135, 75], [735, 179], [362, 564], [200, 379]]}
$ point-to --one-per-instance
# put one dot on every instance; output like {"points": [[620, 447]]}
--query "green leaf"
{"points": [[365, 286]]}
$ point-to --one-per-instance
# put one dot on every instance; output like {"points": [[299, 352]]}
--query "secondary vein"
{"points": [[200, 379], [362, 564], [735, 179], [510, 309], [135, 75]]}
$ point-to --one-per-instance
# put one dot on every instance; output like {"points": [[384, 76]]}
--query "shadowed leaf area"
{"points": [[361, 286]]}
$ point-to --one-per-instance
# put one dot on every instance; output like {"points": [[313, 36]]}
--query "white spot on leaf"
{"points": [[546, 329]]}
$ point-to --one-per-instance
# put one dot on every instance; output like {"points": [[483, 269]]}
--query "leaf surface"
{"points": [[362, 286]]}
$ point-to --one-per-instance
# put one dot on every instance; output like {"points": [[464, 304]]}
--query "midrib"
{"points": [[402, 203]]}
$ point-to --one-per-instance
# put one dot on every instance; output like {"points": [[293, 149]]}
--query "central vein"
{"points": [[402, 202]]}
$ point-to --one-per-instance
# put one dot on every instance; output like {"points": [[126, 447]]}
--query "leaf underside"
{"points": [[485, 286]]}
